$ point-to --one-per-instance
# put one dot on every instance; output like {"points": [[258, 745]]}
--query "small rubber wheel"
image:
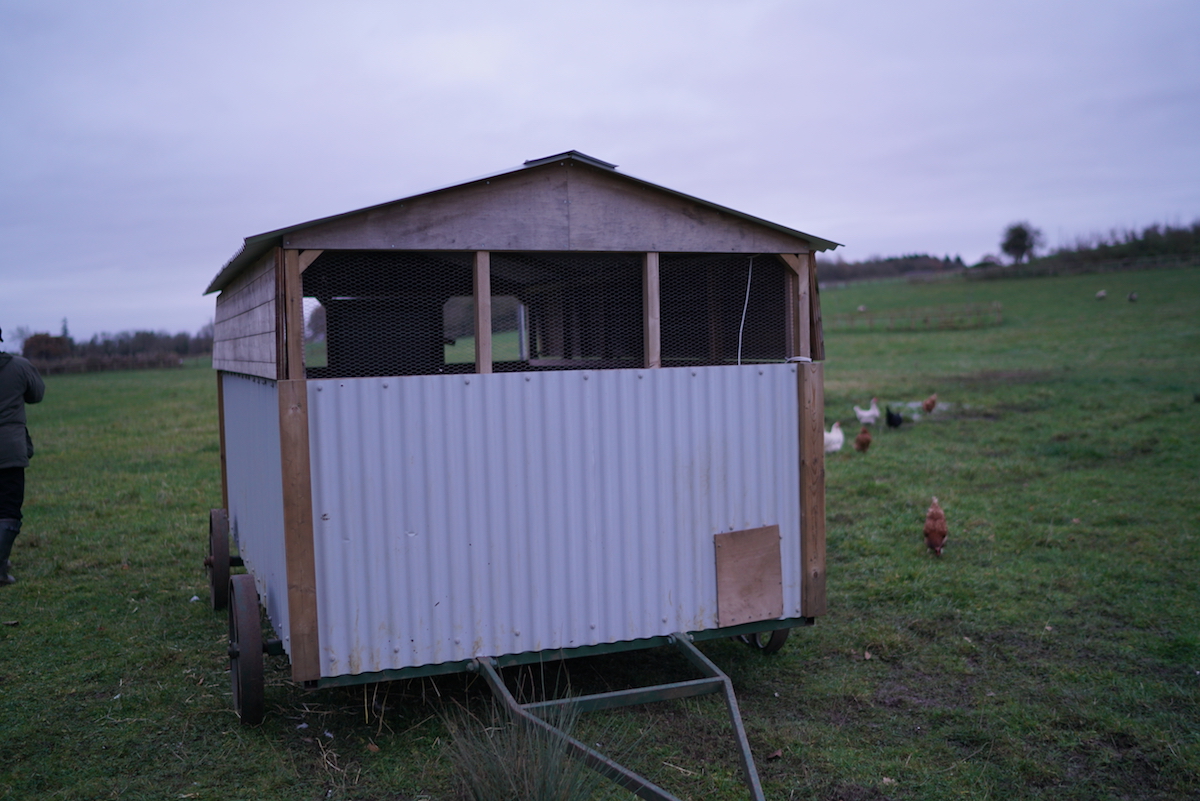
{"points": [[766, 641], [245, 649], [217, 561]]}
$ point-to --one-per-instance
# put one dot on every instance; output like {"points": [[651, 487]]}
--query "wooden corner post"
{"points": [[299, 547], [811, 384]]}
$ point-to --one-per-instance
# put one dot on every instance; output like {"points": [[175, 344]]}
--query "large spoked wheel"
{"points": [[245, 650], [766, 641], [217, 561]]}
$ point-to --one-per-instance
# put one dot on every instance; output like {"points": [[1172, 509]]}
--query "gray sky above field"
{"points": [[140, 142]]}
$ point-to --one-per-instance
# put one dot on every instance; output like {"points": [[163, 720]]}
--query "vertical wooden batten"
{"points": [[221, 438], [298, 530], [791, 315], [652, 314], [811, 387], [483, 311], [280, 311], [804, 318], [293, 316], [799, 307], [816, 330]]}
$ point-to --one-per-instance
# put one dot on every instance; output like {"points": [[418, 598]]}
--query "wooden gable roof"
{"points": [[568, 202]]}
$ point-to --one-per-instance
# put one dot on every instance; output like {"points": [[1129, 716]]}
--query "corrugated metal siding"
{"points": [[252, 462], [458, 516]]}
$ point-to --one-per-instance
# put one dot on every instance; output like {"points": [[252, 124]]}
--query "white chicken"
{"points": [[869, 416], [834, 438]]}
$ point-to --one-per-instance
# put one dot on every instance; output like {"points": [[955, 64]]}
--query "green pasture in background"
{"points": [[1053, 652]]}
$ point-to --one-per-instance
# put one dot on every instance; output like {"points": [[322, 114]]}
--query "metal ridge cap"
{"points": [[573, 155]]}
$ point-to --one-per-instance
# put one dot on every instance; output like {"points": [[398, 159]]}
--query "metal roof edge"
{"points": [[573, 155], [255, 246], [252, 248]]}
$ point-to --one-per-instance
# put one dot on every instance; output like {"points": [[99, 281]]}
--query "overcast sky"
{"points": [[140, 142]]}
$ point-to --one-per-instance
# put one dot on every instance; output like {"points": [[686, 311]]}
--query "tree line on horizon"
{"points": [[1153, 241], [1021, 242], [109, 351], [891, 267]]}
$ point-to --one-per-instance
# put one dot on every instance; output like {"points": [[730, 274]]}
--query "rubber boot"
{"points": [[9, 529]]}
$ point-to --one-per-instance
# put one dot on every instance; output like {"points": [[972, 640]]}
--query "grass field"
{"points": [[1053, 652]]}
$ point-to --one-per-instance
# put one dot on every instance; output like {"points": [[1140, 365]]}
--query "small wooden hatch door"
{"points": [[749, 576]]}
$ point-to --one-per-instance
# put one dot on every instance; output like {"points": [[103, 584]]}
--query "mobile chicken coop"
{"points": [[550, 412]]}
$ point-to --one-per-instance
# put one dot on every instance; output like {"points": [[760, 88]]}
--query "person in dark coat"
{"points": [[19, 384]]}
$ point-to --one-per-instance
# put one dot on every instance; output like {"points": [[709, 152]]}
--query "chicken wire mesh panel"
{"points": [[722, 309], [563, 311], [509, 330], [372, 313]]}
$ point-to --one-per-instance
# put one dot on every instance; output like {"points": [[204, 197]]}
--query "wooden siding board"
{"points": [[610, 214], [556, 207], [262, 266], [252, 348], [523, 211], [254, 295], [244, 324], [255, 369], [257, 320], [249, 290]]}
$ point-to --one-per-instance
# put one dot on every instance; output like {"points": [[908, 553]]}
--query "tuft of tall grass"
{"points": [[497, 757]]}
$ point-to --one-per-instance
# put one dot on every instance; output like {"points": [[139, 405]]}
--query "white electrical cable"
{"points": [[746, 305]]}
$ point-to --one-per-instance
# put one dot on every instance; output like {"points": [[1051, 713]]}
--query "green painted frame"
{"points": [[537, 657]]}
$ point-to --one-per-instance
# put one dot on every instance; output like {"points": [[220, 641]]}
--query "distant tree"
{"points": [[17, 337], [316, 324], [203, 341], [1021, 240], [44, 346]]}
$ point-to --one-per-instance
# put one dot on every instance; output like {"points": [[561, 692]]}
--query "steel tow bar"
{"points": [[715, 681]]}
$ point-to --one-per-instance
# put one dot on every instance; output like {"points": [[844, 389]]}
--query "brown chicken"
{"points": [[930, 402], [935, 528], [863, 440]]}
